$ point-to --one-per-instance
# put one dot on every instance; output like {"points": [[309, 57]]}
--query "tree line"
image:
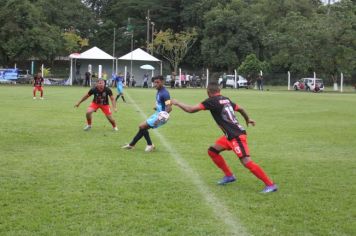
{"points": [[283, 35]]}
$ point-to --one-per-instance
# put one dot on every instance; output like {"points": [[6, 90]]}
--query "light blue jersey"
{"points": [[119, 84], [162, 99]]}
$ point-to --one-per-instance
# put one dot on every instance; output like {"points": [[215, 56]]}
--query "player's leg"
{"points": [[34, 92], [123, 98], [92, 108], [214, 153], [41, 90], [140, 133], [240, 148], [118, 93], [107, 111]]}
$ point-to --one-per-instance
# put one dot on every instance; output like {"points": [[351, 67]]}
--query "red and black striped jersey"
{"points": [[38, 81], [223, 111], [100, 97]]}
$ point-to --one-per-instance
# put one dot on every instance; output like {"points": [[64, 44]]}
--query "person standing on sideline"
{"points": [[119, 80], [87, 79], [38, 85], [145, 80], [260, 82], [163, 103], [224, 80], [100, 100], [235, 137]]}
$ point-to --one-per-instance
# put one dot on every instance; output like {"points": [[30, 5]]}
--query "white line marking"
{"points": [[218, 208]]}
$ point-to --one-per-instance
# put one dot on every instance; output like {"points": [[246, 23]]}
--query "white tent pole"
{"points": [[161, 69], [235, 86], [42, 67], [314, 80], [90, 71], [288, 80], [180, 76], [125, 75], [71, 72], [342, 83], [207, 77], [100, 71]]}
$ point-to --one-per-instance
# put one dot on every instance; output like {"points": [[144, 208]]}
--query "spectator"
{"points": [[260, 82], [87, 79], [145, 80]]}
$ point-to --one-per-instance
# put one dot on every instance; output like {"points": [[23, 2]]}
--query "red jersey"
{"points": [[223, 112], [38, 81]]}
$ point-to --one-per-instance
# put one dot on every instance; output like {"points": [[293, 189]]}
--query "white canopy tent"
{"points": [[94, 53], [140, 55]]}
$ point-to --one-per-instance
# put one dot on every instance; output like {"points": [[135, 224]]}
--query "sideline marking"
{"points": [[218, 208]]}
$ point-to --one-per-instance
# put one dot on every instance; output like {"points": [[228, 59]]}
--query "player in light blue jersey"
{"points": [[120, 87], [163, 105]]}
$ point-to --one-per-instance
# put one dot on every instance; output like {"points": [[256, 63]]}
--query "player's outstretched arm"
{"points": [[186, 107], [113, 103], [82, 100], [246, 117]]}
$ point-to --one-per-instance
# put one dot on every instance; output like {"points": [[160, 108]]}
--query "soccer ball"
{"points": [[163, 116]]}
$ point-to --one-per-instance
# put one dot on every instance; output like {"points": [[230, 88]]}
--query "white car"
{"points": [[308, 84], [241, 82]]}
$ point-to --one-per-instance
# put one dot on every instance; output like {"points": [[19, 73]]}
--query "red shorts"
{"points": [[105, 108], [38, 88], [237, 145]]}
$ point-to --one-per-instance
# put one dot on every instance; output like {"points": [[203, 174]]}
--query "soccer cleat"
{"points": [[149, 148], [227, 179], [115, 129], [128, 147], [270, 189], [41, 98], [87, 128], [34, 98]]}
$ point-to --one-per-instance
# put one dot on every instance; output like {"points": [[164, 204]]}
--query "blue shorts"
{"points": [[153, 122], [119, 89]]}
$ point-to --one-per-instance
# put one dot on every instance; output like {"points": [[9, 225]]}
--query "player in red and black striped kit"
{"points": [[37, 85], [100, 100], [223, 111]]}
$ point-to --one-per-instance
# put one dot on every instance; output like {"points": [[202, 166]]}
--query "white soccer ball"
{"points": [[163, 116]]}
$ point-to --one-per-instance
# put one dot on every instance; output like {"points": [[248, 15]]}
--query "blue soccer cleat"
{"points": [[227, 179], [270, 189]]}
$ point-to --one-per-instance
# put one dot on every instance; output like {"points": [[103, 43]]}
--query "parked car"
{"points": [[241, 82], [308, 84], [24, 77]]}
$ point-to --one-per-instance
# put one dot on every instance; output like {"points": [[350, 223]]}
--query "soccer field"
{"points": [[56, 179]]}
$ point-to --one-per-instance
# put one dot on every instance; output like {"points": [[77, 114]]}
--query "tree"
{"points": [[252, 66], [174, 46], [25, 33]]}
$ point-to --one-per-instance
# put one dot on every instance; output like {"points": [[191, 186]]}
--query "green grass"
{"points": [[56, 179]]}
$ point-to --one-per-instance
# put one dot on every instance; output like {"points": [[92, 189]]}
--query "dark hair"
{"points": [[213, 87], [160, 77]]}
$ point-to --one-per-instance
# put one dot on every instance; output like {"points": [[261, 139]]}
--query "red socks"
{"points": [[220, 162], [89, 121], [258, 172]]}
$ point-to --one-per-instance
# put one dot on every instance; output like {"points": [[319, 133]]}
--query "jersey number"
{"points": [[230, 114]]}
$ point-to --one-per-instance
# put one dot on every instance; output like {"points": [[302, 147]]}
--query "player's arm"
{"points": [[113, 103], [82, 100], [245, 116], [186, 107], [168, 106]]}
